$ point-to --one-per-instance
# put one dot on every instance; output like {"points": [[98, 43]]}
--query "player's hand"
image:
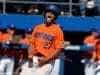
{"points": [[42, 62], [92, 60], [30, 63]]}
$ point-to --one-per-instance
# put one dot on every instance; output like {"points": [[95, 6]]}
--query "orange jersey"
{"points": [[47, 39], [90, 40], [6, 37], [1, 38], [96, 52]]}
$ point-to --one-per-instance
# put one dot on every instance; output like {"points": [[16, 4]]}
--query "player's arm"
{"points": [[31, 47], [31, 50], [93, 57], [86, 40]]}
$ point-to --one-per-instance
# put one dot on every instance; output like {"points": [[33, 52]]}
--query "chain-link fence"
{"points": [[36, 7]]}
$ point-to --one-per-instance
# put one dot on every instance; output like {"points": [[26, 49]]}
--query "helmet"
{"points": [[29, 30], [94, 30], [54, 9], [12, 26], [97, 31]]}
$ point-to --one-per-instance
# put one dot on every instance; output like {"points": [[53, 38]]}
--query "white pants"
{"points": [[89, 69], [47, 69], [6, 66], [92, 69], [97, 69], [56, 69]]}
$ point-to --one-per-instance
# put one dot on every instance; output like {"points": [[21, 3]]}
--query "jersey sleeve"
{"points": [[59, 40], [33, 35], [31, 43]]}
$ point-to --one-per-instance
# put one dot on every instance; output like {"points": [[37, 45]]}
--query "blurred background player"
{"points": [[27, 37], [93, 65], [92, 38], [25, 41], [7, 62], [96, 52], [47, 44], [92, 41], [96, 57], [8, 36]]}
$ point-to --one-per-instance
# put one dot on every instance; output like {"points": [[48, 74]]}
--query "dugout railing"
{"points": [[67, 8]]}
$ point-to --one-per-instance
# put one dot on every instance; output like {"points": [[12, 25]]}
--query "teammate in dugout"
{"points": [[92, 67], [92, 38], [93, 41], [25, 39], [46, 45], [7, 61]]}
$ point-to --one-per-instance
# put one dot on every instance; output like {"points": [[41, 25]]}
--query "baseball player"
{"points": [[96, 58], [7, 62], [94, 41], [27, 37], [94, 63], [46, 46]]}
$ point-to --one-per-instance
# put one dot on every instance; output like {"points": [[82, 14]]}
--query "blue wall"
{"points": [[68, 23]]}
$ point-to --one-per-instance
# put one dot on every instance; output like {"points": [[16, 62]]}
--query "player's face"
{"points": [[10, 31], [49, 17], [95, 34]]}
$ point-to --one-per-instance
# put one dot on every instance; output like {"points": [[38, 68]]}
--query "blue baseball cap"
{"points": [[29, 30]]}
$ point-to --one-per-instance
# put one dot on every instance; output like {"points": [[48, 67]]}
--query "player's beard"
{"points": [[49, 20]]}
